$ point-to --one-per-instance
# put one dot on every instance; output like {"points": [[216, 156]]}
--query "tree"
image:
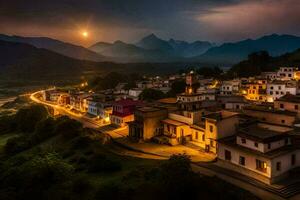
{"points": [[102, 163], [210, 72], [68, 128], [44, 130], [176, 88], [16, 144], [27, 118], [256, 63], [151, 94], [33, 178]]}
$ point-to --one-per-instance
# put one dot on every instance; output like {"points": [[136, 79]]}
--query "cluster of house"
{"points": [[255, 136], [251, 125]]}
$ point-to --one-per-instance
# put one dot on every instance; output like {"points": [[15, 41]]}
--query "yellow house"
{"points": [[257, 91], [219, 125], [177, 132]]}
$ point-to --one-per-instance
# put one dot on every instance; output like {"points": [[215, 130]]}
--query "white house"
{"points": [[230, 87], [286, 73], [261, 151], [135, 92], [278, 88]]}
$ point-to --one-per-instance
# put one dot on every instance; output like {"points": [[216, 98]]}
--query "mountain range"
{"points": [[152, 49], [274, 44], [64, 48], [156, 50]]}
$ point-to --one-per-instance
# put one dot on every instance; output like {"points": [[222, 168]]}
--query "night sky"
{"points": [[129, 20]]}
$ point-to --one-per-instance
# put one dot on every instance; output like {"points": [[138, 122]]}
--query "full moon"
{"points": [[85, 34]]}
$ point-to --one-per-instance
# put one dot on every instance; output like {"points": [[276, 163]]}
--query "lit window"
{"points": [[261, 165]]}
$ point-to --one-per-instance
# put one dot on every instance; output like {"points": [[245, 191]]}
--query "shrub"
{"points": [[27, 118], [102, 163], [16, 144], [68, 128], [44, 130]]}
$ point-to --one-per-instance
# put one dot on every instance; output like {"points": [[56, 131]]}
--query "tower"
{"points": [[191, 83]]}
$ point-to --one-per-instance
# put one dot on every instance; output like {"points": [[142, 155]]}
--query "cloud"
{"points": [[217, 20], [252, 19]]}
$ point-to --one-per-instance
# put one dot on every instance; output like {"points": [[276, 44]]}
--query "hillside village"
{"points": [[250, 125]]}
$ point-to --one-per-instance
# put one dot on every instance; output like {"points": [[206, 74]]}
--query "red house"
{"points": [[123, 111]]}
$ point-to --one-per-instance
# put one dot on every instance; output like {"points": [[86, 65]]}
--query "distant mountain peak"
{"points": [[151, 36], [119, 42]]}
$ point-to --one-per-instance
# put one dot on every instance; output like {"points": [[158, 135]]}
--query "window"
{"points": [[271, 92], [269, 146], [296, 107], [227, 155], [242, 160], [281, 105], [286, 141], [203, 137], [212, 144], [278, 166], [279, 87], [282, 121], [277, 92], [261, 165], [211, 128], [196, 135], [271, 88], [293, 159], [243, 140], [256, 144]]}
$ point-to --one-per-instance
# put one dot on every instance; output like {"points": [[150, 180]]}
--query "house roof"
{"points": [[269, 110], [128, 102], [264, 132], [172, 122], [231, 142], [168, 100], [149, 109], [218, 116], [290, 98]]}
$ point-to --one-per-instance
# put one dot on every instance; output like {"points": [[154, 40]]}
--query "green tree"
{"points": [[27, 118], [68, 128], [210, 72], [33, 179], [44, 130], [151, 94], [176, 88]]}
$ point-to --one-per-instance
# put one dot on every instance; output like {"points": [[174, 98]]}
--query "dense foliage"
{"points": [[112, 79], [210, 72], [151, 94], [261, 62]]}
